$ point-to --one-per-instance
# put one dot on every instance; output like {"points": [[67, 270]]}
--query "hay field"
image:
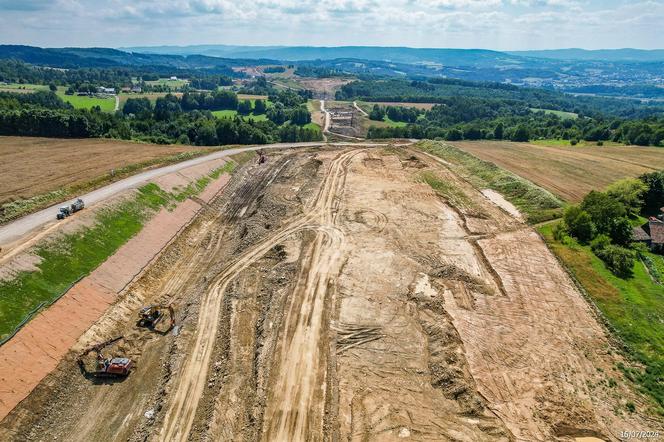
{"points": [[567, 171]]}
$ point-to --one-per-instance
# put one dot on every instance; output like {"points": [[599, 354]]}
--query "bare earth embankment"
{"points": [[334, 295], [569, 172]]}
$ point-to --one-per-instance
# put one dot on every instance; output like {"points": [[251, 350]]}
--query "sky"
{"points": [[486, 24]]}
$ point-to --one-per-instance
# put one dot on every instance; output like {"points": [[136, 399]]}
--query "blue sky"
{"points": [[490, 24]]}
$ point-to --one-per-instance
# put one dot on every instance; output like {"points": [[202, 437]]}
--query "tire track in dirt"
{"points": [[192, 377], [295, 407]]}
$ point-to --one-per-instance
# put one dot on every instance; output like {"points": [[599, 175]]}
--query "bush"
{"points": [[599, 243], [573, 141], [579, 224], [619, 260], [600, 143]]}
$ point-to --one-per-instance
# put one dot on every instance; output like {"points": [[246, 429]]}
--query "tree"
{"points": [[244, 107], [579, 224], [137, 106], [621, 231], [259, 107], [521, 134], [300, 116], [52, 87], [499, 131], [207, 134], [603, 210], [629, 192], [377, 113], [654, 197], [454, 135], [277, 114]]}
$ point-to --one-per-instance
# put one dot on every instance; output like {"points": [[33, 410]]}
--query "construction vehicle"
{"points": [[152, 315], [105, 366], [66, 211], [261, 157]]}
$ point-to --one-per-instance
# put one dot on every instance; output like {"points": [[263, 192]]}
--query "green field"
{"points": [[313, 126], [634, 308], [85, 102], [79, 102], [233, 114], [562, 114], [16, 87], [392, 123], [173, 84]]}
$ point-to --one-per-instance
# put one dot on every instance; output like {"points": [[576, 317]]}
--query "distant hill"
{"points": [[455, 57], [613, 55], [105, 57]]}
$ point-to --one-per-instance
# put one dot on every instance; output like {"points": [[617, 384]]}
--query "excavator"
{"points": [[105, 366], [152, 315], [261, 157]]}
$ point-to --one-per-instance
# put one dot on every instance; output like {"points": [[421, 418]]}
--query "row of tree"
{"points": [[456, 121]]}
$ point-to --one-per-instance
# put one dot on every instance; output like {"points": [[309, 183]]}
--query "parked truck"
{"points": [[65, 211]]}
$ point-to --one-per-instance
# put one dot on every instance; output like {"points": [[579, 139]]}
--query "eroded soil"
{"points": [[331, 295]]}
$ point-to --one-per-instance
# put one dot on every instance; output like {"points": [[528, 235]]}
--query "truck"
{"points": [[66, 211]]}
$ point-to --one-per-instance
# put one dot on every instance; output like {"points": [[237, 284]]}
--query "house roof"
{"points": [[639, 234], [656, 231]]}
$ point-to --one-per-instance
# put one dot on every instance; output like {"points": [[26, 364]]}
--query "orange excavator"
{"points": [[105, 366], [152, 315]]}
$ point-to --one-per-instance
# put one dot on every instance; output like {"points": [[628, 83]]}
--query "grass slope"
{"points": [[633, 307], [534, 202]]}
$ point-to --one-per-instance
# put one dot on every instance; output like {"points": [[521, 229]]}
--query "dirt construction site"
{"points": [[330, 294]]}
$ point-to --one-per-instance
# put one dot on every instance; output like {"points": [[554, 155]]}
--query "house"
{"points": [[173, 78], [106, 90], [651, 233], [656, 234], [137, 89]]}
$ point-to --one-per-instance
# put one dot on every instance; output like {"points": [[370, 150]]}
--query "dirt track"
{"points": [[331, 295]]}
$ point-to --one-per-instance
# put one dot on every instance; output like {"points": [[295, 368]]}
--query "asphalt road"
{"points": [[15, 230]]}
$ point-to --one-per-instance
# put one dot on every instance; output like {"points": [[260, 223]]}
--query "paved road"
{"points": [[17, 229]]}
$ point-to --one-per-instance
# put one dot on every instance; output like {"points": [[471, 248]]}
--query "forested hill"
{"points": [[105, 57], [439, 90], [616, 55]]}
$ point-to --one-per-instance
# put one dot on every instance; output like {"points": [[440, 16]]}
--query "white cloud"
{"points": [[499, 24]]}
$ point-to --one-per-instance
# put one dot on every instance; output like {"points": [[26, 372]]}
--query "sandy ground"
{"points": [[24, 173], [565, 171], [331, 295]]}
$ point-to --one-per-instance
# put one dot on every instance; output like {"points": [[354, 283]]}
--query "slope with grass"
{"points": [[534, 202], [632, 307], [65, 259]]}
